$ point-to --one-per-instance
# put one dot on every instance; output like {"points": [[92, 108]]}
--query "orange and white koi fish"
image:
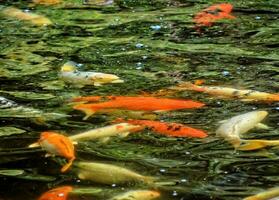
{"points": [[232, 128], [270, 194], [47, 2], [59, 193], [109, 174], [35, 19], [70, 74], [151, 104], [226, 92], [213, 13], [137, 195], [57, 144], [168, 129]]}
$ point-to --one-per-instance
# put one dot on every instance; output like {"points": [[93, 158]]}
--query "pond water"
{"points": [[151, 45]]}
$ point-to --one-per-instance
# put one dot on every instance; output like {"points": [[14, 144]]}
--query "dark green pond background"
{"points": [[151, 44]]}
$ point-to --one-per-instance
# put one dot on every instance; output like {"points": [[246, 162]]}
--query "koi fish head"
{"points": [[60, 193], [69, 66]]}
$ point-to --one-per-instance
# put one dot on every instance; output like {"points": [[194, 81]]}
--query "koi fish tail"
{"points": [[88, 111], [256, 144], [188, 86], [68, 165]]}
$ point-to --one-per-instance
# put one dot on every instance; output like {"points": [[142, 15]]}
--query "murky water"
{"points": [[150, 45]]}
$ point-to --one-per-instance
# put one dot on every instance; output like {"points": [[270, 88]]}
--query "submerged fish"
{"points": [[270, 194], [59, 193], [35, 19], [232, 128], [109, 174], [151, 104], [246, 95], [137, 195], [169, 129], [47, 2], [257, 144], [70, 74], [214, 13], [104, 133], [57, 144]]}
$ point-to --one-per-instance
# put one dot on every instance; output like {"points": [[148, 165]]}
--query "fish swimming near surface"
{"points": [[168, 129], [213, 13], [59, 193], [137, 195], [270, 194], [47, 2], [70, 74], [109, 174], [226, 92], [232, 129], [35, 19], [151, 104], [57, 144]]}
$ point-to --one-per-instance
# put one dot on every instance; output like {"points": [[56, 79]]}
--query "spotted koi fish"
{"points": [[57, 144], [168, 129]]}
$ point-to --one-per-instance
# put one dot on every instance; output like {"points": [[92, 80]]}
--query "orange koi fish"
{"points": [[168, 129], [226, 92], [57, 144], [213, 13], [138, 103], [59, 193]]}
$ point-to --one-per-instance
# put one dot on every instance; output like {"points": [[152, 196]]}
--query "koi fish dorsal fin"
{"points": [[69, 66]]}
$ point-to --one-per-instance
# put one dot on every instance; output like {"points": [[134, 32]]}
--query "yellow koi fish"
{"points": [[226, 92], [35, 19], [109, 174], [248, 145], [137, 195], [232, 128], [70, 74], [270, 194]]}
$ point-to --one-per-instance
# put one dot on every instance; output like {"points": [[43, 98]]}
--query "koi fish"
{"points": [[232, 128], [137, 195], [47, 2], [151, 104], [270, 194], [57, 144], [69, 73], [59, 193], [35, 19], [257, 144], [169, 129], [104, 133], [109, 174], [245, 95], [213, 13]]}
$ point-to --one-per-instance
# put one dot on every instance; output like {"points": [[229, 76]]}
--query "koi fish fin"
{"points": [[68, 165], [222, 121], [48, 155], [104, 140], [247, 100], [97, 84], [253, 144], [75, 142], [88, 113], [125, 134], [33, 145], [262, 126], [228, 16]]}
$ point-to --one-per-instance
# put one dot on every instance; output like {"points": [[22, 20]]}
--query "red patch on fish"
{"points": [[213, 13], [168, 129], [60, 193]]}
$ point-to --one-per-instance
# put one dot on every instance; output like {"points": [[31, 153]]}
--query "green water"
{"points": [[121, 39]]}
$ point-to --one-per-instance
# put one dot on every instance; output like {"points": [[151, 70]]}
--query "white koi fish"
{"points": [[271, 194], [232, 128], [70, 74], [109, 174], [35, 19], [137, 195], [226, 92]]}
